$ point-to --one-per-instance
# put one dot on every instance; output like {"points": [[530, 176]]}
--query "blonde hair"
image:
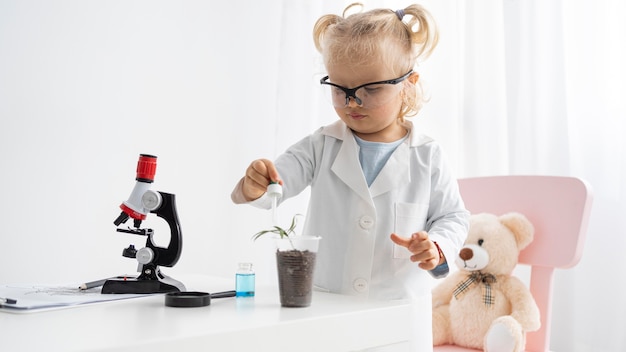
{"points": [[383, 34]]}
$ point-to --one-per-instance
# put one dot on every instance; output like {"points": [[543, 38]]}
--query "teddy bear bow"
{"points": [[476, 278]]}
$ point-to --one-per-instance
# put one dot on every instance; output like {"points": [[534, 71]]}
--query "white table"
{"points": [[332, 323]]}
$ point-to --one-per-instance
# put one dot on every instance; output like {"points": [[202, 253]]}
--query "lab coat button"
{"points": [[366, 222], [360, 285]]}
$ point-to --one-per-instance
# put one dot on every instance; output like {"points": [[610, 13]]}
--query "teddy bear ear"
{"points": [[521, 227]]}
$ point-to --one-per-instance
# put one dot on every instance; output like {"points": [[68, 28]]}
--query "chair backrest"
{"points": [[559, 209]]}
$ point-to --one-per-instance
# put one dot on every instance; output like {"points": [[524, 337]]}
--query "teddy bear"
{"points": [[482, 305]]}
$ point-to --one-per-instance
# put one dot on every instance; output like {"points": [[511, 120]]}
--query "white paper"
{"points": [[32, 297]]}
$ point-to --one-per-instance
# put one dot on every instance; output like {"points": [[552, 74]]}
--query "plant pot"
{"points": [[295, 261]]}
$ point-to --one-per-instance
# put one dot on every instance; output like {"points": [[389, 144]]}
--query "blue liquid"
{"points": [[244, 285]]}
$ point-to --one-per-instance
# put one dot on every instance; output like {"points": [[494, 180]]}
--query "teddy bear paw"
{"points": [[500, 338]]}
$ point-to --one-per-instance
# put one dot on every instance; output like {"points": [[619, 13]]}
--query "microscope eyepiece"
{"points": [[146, 168]]}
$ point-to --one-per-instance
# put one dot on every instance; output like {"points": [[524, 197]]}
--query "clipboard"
{"points": [[36, 298]]}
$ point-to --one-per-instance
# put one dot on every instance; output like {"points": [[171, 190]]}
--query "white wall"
{"points": [[86, 86]]}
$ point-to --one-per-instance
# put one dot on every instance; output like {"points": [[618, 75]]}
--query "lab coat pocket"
{"points": [[409, 218]]}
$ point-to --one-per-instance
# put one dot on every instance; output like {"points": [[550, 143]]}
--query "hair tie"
{"points": [[400, 14]]}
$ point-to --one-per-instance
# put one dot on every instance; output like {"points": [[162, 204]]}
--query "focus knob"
{"points": [[145, 255]]}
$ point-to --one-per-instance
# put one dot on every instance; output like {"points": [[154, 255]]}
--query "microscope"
{"points": [[142, 201]]}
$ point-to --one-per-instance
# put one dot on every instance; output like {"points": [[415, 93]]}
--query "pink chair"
{"points": [[559, 209]]}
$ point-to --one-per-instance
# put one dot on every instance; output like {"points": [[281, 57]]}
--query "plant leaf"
{"points": [[279, 230]]}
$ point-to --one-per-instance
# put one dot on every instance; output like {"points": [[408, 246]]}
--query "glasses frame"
{"points": [[351, 92]]}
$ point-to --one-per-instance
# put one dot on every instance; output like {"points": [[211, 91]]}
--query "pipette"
{"points": [[275, 192]]}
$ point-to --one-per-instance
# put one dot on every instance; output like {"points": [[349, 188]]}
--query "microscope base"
{"points": [[134, 285]]}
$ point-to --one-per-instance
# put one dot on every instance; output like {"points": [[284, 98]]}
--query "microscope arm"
{"points": [[168, 256]]}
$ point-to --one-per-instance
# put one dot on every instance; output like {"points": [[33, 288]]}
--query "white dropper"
{"points": [[275, 192]]}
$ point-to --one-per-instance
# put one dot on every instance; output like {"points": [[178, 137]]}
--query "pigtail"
{"points": [[422, 28], [320, 28], [346, 11]]}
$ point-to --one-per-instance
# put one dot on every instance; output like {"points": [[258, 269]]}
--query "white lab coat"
{"points": [[414, 191]]}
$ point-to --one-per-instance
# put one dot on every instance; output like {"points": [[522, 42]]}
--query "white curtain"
{"points": [[517, 87], [553, 104]]}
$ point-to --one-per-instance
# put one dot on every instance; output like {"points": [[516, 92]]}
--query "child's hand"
{"points": [[424, 250], [258, 175]]}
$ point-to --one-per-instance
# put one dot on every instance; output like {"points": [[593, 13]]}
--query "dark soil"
{"points": [[295, 277]]}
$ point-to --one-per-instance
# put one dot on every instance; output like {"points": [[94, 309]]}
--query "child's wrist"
{"points": [[442, 257]]}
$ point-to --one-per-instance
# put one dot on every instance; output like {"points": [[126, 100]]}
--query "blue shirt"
{"points": [[374, 155]]}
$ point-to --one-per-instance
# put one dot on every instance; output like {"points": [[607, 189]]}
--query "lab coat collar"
{"points": [[394, 173], [347, 160], [339, 130]]}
